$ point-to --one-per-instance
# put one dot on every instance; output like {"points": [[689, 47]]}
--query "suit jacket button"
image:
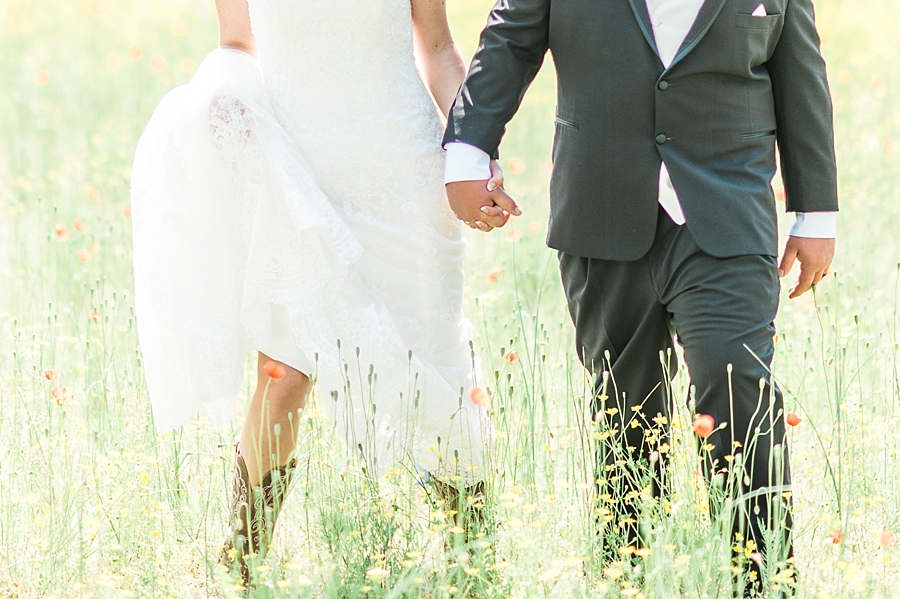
{"points": [[661, 138], [663, 85]]}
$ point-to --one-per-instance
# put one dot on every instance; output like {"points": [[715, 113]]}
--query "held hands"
{"points": [[483, 205], [814, 255]]}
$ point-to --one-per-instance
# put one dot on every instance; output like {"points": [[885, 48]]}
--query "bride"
{"points": [[290, 200]]}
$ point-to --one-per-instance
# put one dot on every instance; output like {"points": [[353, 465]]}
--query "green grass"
{"points": [[94, 504]]}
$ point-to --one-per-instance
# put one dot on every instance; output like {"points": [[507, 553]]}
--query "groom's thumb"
{"points": [[787, 261]]}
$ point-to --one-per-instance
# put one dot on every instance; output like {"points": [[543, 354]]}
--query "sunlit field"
{"points": [[93, 503]]}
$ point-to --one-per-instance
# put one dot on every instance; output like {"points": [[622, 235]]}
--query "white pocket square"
{"points": [[760, 11]]}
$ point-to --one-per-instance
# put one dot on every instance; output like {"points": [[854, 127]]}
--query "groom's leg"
{"points": [[620, 328], [723, 311]]}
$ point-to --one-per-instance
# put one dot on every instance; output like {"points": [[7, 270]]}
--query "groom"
{"points": [[668, 117]]}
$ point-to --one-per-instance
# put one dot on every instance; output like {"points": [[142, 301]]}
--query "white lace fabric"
{"points": [[295, 206]]}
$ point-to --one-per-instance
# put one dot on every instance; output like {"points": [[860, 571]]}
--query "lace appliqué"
{"points": [[231, 126]]}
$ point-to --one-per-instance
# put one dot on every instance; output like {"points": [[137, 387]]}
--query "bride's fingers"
{"points": [[494, 216], [502, 199]]}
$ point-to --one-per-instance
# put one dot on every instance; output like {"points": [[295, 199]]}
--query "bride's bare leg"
{"points": [[261, 472], [270, 435]]}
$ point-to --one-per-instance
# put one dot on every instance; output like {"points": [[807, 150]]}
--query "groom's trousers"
{"points": [[722, 311]]}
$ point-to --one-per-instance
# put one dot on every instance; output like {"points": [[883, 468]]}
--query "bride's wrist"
{"points": [[239, 47]]}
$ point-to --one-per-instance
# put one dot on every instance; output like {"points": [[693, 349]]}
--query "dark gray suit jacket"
{"points": [[738, 85]]}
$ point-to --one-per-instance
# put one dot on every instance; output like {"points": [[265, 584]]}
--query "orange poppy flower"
{"points": [[59, 394], [836, 536], [479, 397], [703, 425], [274, 369], [511, 356], [792, 419]]}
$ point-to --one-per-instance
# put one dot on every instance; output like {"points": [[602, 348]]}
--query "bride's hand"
{"points": [[479, 208]]}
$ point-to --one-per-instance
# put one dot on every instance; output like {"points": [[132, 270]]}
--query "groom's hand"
{"points": [[814, 255], [479, 206]]}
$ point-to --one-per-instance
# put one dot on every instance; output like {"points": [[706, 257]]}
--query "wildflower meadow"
{"points": [[95, 504]]}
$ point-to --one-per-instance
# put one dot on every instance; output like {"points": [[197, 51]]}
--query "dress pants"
{"points": [[722, 311]]}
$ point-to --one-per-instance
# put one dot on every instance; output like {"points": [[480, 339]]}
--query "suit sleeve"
{"points": [[508, 58], [804, 114]]}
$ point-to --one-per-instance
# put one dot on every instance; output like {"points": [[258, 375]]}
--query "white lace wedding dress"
{"points": [[295, 206]]}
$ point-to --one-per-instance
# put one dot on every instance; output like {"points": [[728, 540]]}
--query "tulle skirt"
{"points": [[236, 247]]}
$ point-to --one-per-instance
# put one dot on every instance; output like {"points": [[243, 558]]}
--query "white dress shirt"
{"points": [[672, 21]]}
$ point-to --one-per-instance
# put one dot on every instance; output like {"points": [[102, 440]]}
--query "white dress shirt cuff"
{"points": [[818, 225], [466, 163]]}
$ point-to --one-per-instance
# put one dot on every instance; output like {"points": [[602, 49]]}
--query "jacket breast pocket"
{"points": [[745, 21]]}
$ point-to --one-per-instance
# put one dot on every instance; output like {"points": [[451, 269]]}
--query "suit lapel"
{"points": [[705, 18], [639, 8]]}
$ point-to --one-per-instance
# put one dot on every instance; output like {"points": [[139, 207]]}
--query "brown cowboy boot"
{"points": [[462, 513], [253, 515]]}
